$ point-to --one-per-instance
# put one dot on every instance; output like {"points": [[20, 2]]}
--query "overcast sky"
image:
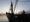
{"points": [[21, 5]]}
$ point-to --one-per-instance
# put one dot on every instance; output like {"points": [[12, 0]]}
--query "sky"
{"points": [[21, 5]]}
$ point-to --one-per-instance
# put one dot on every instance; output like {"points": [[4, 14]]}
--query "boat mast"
{"points": [[11, 7]]}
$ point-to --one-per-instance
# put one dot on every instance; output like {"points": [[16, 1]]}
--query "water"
{"points": [[3, 18]]}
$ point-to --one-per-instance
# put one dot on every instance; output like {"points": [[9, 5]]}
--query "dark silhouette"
{"points": [[20, 17]]}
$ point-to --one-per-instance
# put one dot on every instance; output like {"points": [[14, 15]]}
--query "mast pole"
{"points": [[11, 7]]}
